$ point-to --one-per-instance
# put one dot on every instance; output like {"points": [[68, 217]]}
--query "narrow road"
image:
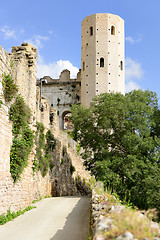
{"points": [[60, 218]]}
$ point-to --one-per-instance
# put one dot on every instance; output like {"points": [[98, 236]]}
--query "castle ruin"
{"points": [[102, 66], [102, 70]]}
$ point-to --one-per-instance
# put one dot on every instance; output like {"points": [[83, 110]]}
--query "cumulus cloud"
{"points": [[132, 40], [8, 32], [37, 40], [134, 72], [54, 69]]}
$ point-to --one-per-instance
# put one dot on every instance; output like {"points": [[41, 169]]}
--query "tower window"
{"points": [[83, 66], [121, 65], [91, 31], [101, 62], [112, 30]]}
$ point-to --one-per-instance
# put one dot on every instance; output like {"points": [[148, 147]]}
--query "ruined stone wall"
{"points": [[65, 156], [68, 173], [61, 93], [5, 131], [22, 65], [24, 72]]}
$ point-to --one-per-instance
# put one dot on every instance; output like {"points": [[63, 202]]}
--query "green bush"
{"points": [[44, 147], [19, 153], [19, 114], [9, 88], [78, 148]]}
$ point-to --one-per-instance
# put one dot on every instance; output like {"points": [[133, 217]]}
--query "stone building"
{"points": [[60, 93], [102, 71], [102, 56], [102, 66]]}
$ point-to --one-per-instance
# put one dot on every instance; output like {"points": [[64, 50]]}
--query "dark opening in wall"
{"points": [[91, 31], [101, 62], [112, 30], [121, 65], [83, 66]]}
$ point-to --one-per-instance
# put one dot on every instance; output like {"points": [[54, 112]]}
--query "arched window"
{"points": [[112, 30], [66, 121], [121, 65], [101, 62], [83, 66], [91, 31]]}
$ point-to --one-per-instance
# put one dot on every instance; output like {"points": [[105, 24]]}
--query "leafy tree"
{"points": [[119, 135]]}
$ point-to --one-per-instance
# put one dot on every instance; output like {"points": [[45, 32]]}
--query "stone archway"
{"points": [[66, 122]]}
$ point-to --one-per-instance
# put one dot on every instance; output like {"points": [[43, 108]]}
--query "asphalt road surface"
{"points": [[60, 218]]}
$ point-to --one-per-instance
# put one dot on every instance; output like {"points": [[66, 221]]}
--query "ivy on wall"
{"points": [[10, 89], [44, 146], [19, 114]]}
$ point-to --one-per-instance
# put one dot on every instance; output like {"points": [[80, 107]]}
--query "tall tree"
{"points": [[120, 138]]}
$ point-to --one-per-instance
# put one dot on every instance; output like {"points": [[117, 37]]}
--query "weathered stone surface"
{"points": [[60, 181], [18, 195]]}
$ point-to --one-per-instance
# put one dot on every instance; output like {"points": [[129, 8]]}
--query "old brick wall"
{"points": [[31, 186]]}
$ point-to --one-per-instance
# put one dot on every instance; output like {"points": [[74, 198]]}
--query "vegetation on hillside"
{"points": [[44, 146], [120, 138]]}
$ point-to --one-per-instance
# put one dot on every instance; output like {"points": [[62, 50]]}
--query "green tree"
{"points": [[119, 135]]}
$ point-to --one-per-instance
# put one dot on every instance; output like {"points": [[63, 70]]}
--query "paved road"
{"points": [[61, 218]]}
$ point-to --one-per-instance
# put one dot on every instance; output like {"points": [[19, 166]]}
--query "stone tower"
{"points": [[102, 56]]}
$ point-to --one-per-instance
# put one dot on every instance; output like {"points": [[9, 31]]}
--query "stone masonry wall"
{"points": [[18, 195], [21, 64], [64, 156], [61, 93], [5, 131]]}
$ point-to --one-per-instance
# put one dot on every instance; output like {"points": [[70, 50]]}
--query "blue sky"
{"points": [[54, 27]]}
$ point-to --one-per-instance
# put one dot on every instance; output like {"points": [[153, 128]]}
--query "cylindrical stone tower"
{"points": [[102, 56]]}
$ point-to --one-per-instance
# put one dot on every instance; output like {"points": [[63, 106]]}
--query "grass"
{"points": [[11, 215], [39, 199], [131, 220]]}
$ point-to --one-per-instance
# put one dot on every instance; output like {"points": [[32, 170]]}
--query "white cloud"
{"points": [[54, 69], [8, 32], [37, 40], [131, 85], [133, 72], [132, 41]]}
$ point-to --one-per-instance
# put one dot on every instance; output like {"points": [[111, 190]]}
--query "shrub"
{"points": [[19, 153], [9, 88], [44, 147], [19, 114]]}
